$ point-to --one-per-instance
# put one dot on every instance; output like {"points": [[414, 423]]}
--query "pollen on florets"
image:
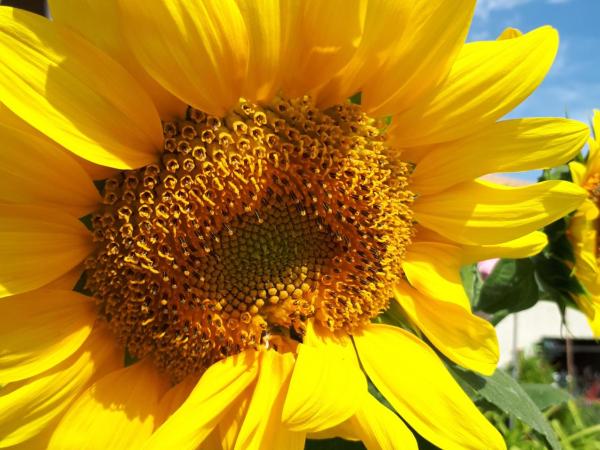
{"points": [[251, 225]]}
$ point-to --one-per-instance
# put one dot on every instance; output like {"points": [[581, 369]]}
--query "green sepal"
{"points": [[129, 359], [394, 316], [356, 98]]}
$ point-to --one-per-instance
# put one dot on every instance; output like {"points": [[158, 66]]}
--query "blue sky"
{"points": [[573, 83]]}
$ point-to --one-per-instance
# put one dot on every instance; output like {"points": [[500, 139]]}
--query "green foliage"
{"points": [[553, 266], [518, 436], [573, 421], [533, 369], [518, 284], [506, 394], [545, 395], [576, 424], [472, 283], [557, 173], [510, 287]]}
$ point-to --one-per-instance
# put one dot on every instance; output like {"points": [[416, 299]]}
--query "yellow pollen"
{"points": [[247, 227]]}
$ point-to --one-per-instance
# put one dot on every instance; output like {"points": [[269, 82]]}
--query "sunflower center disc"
{"points": [[249, 226]]}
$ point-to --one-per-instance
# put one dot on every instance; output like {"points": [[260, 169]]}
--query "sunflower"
{"points": [[253, 223], [583, 230]]}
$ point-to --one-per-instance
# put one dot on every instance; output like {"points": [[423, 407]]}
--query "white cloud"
{"points": [[577, 99], [485, 7]]}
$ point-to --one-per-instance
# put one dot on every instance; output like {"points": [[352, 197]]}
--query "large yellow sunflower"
{"points": [[583, 230], [253, 222]]}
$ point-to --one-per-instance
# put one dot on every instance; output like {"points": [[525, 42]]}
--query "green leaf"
{"points": [[333, 444], [506, 393], [472, 282], [554, 275], [559, 245], [510, 287], [563, 249], [545, 395]]}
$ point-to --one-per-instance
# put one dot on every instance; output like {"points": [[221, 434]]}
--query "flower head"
{"points": [[254, 223]]}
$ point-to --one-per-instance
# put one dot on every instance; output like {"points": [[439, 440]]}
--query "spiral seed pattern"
{"points": [[247, 227]]}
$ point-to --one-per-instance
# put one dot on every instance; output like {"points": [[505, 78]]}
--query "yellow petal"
{"points": [[266, 22], [466, 339], [523, 247], [384, 24], [487, 80], [28, 407], [416, 383], [434, 269], [68, 281], [319, 47], [510, 33], [583, 236], [317, 398], [528, 245], [117, 412], [435, 32], [38, 245], [593, 158], [578, 172], [75, 94], [381, 429], [37, 442], [10, 119], [174, 398], [480, 212], [99, 23], [40, 329], [164, 35], [596, 124], [198, 416], [508, 146], [35, 170], [231, 423], [262, 427], [344, 431]]}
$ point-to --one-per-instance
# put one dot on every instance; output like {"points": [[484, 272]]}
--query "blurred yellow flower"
{"points": [[583, 230], [254, 222]]}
